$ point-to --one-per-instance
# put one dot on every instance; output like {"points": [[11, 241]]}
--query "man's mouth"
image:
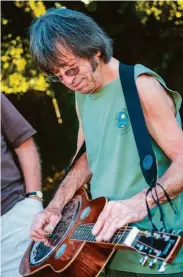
{"points": [[77, 85]]}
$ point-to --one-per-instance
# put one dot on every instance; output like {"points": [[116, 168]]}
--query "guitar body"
{"points": [[70, 258], [74, 252], [88, 263]]}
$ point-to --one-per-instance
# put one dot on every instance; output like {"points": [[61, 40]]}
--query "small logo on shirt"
{"points": [[122, 122]]}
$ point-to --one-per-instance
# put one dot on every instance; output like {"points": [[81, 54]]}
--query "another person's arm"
{"points": [[30, 164], [18, 133]]}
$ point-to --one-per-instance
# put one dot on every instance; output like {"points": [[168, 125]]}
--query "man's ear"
{"points": [[98, 54]]}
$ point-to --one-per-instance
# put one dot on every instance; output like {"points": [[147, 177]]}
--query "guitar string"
{"points": [[135, 240], [93, 237], [118, 233], [128, 228], [116, 244]]}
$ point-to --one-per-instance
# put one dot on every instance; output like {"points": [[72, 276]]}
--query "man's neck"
{"points": [[110, 71]]}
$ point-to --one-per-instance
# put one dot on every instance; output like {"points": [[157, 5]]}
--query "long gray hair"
{"points": [[73, 30]]}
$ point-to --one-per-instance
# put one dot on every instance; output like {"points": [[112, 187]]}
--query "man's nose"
{"points": [[67, 80]]}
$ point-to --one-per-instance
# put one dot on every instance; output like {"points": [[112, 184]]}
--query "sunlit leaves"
{"points": [[160, 10], [19, 4], [58, 5], [4, 21], [86, 2], [37, 8], [19, 73]]}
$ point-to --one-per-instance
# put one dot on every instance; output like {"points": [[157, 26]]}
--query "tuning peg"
{"points": [[179, 233], [162, 267], [156, 235], [148, 234], [166, 237], [162, 230], [143, 261], [140, 247], [153, 264]]}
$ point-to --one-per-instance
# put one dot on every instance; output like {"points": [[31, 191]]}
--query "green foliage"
{"points": [[160, 10], [19, 73]]}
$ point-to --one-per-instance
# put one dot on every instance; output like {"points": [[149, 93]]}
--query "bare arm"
{"points": [[159, 111], [30, 164], [80, 174], [77, 177]]}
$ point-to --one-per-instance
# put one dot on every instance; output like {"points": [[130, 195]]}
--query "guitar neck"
{"points": [[83, 232], [159, 245]]}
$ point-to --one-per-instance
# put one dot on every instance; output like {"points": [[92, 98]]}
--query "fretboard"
{"points": [[83, 232]]}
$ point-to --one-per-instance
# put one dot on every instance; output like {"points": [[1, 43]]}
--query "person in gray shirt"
{"points": [[21, 196]]}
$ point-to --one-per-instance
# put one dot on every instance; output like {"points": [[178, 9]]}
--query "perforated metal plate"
{"points": [[39, 251]]}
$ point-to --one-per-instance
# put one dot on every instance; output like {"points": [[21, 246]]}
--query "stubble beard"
{"points": [[94, 65]]}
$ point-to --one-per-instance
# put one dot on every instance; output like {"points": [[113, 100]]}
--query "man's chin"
{"points": [[85, 91]]}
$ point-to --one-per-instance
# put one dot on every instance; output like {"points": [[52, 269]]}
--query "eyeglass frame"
{"points": [[68, 72]]}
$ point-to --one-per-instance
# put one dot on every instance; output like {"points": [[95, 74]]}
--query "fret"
{"points": [[123, 236], [115, 237], [118, 237], [83, 232], [87, 232], [90, 236]]}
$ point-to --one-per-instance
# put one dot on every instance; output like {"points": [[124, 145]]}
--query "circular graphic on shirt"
{"points": [[122, 122]]}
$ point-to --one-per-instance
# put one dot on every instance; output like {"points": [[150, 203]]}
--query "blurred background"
{"points": [[146, 32]]}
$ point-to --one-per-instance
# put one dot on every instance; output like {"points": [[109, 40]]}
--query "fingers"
{"points": [[113, 217], [107, 231], [101, 220], [36, 232], [49, 228], [43, 225], [53, 219], [110, 228], [36, 235]]}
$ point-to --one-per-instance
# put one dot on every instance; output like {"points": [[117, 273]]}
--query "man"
{"points": [[20, 174], [73, 49]]}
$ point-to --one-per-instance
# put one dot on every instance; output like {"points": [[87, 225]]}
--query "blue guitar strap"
{"points": [[141, 135], [142, 138]]}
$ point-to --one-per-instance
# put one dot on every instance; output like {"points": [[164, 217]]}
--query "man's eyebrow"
{"points": [[67, 64], [62, 64]]}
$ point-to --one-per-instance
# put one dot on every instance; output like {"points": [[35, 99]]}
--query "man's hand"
{"points": [[44, 223], [116, 214]]}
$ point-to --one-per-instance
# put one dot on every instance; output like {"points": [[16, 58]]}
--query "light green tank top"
{"points": [[114, 161]]}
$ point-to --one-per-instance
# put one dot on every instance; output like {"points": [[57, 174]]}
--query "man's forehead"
{"points": [[66, 57]]}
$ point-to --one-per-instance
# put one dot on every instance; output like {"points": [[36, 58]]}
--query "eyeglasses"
{"points": [[70, 72]]}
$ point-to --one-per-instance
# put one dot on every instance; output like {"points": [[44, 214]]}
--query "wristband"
{"points": [[36, 193]]}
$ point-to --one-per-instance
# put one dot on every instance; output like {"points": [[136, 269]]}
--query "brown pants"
{"points": [[115, 273]]}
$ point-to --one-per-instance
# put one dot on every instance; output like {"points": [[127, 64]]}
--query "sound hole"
{"points": [[39, 251]]}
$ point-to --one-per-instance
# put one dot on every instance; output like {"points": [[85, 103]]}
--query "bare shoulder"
{"points": [[152, 94], [159, 113]]}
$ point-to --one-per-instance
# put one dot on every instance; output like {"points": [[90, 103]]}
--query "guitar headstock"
{"points": [[155, 246]]}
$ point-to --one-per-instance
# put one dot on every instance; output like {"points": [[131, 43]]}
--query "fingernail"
{"points": [[94, 231], [98, 238]]}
